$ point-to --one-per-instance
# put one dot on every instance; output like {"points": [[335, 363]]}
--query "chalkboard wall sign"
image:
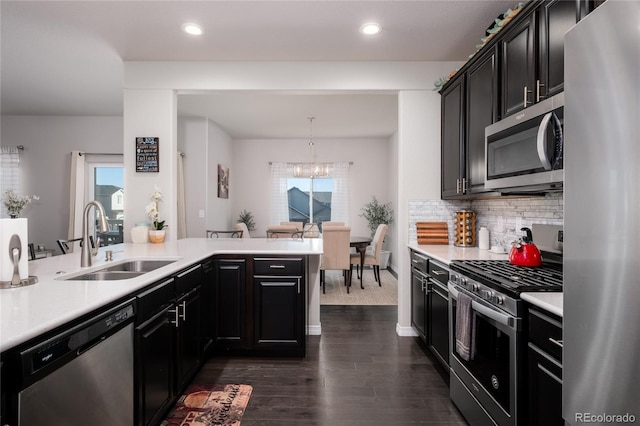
{"points": [[147, 159]]}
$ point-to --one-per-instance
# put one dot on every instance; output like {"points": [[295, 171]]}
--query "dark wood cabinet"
{"points": [[533, 54], [187, 325], [430, 305], [555, 18], [452, 128], [544, 369], [279, 305], [230, 299], [154, 354], [207, 307], [517, 48], [438, 312], [481, 111], [419, 282]]}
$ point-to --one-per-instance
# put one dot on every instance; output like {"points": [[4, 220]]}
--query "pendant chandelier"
{"points": [[312, 169]]}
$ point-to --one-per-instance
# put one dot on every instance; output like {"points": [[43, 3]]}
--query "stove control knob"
{"points": [[486, 294], [463, 281], [474, 287], [498, 300]]}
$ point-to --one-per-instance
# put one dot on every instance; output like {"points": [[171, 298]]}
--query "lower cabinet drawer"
{"points": [[291, 266]]}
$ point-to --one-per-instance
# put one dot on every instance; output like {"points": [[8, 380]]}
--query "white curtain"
{"points": [[9, 171], [182, 214], [340, 193], [76, 194], [279, 195]]}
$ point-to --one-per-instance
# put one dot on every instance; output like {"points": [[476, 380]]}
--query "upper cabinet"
{"points": [[520, 66], [533, 55]]}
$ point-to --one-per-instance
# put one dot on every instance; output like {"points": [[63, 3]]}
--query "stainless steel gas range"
{"points": [[485, 386]]}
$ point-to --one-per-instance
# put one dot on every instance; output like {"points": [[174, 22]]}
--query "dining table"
{"points": [[360, 244]]}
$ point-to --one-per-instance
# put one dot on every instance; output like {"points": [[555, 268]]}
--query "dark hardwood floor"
{"points": [[359, 372]]}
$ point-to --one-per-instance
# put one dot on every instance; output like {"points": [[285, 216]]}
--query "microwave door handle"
{"points": [[542, 141]]}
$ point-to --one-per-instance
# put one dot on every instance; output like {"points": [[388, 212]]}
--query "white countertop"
{"points": [[447, 253], [27, 312], [551, 301]]}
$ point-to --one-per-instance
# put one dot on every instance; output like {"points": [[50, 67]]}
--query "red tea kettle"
{"points": [[524, 252]]}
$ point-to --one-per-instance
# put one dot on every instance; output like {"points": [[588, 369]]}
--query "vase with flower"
{"points": [[157, 232], [15, 203]]}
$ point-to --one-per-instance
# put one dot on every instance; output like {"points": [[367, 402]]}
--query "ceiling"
{"points": [[66, 57]]}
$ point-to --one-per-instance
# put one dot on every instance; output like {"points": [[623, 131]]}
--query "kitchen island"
{"points": [[28, 312]]}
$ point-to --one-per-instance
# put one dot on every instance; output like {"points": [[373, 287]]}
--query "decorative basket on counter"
{"points": [[464, 228]]}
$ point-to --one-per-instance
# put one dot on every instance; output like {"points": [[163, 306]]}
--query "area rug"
{"points": [[210, 405], [336, 292]]}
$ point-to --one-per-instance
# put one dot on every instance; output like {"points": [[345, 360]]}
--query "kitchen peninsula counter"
{"points": [[30, 311]]}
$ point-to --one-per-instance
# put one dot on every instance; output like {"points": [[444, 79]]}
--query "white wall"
{"points": [[45, 163], [219, 151], [391, 241], [250, 182]]}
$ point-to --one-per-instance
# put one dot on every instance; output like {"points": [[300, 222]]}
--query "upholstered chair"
{"points": [[372, 257], [241, 226], [335, 256]]}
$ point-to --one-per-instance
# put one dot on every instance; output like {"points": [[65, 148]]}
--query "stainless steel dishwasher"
{"points": [[82, 376]]}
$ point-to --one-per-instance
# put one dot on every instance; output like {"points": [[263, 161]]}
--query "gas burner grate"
{"points": [[514, 278]]}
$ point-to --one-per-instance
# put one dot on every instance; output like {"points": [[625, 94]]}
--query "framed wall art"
{"points": [[147, 154], [223, 181]]}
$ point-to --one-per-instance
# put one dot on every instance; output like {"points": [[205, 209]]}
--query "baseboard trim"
{"points": [[314, 330], [405, 331]]}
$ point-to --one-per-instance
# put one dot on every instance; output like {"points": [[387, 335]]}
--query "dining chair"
{"points": [[298, 225], [336, 253], [66, 245], [241, 226], [372, 257], [32, 251], [224, 234], [332, 224], [282, 231]]}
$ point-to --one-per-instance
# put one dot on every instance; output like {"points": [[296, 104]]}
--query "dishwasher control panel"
{"points": [[76, 340]]}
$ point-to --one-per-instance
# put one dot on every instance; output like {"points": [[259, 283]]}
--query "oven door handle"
{"points": [[481, 309]]}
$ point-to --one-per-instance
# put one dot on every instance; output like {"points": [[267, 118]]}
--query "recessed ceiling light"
{"points": [[192, 29], [370, 28]]}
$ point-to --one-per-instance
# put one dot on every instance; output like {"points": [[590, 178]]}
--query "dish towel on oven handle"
{"points": [[465, 328]]}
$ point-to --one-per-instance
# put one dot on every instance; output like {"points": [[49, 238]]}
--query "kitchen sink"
{"points": [[121, 271], [105, 276], [138, 266]]}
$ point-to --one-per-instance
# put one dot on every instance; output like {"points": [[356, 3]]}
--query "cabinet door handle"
{"points": [[298, 280], [176, 317], [526, 95], [538, 95], [556, 342], [464, 185], [458, 186], [184, 310], [549, 373]]}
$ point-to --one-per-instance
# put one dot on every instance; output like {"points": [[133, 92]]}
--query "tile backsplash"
{"points": [[503, 217]]}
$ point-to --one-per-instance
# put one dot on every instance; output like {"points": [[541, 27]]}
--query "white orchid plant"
{"points": [[15, 203], [153, 210]]}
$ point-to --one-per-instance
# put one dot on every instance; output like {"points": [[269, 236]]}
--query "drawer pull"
{"points": [[276, 266], [439, 272], [556, 342]]}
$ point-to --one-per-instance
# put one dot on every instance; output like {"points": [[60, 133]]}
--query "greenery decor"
{"points": [[15, 203], [376, 213], [247, 218]]}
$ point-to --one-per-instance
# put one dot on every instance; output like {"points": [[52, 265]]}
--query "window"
{"points": [[105, 183], [301, 191]]}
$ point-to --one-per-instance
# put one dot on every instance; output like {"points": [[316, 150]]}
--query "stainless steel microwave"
{"points": [[523, 152]]}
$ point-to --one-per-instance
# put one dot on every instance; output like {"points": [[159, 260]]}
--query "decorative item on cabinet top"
{"points": [[465, 228], [432, 232]]}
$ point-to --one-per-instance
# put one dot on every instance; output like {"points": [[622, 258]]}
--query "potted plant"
{"points": [[376, 213], [247, 218], [157, 232]]}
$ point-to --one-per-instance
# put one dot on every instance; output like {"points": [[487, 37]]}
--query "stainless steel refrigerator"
{"points": [[601, 358]]}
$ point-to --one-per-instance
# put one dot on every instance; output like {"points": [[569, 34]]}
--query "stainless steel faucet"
{"points": [[86, 256]]}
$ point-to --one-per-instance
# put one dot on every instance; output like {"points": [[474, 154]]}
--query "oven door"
{"points": [[491, 376]]}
